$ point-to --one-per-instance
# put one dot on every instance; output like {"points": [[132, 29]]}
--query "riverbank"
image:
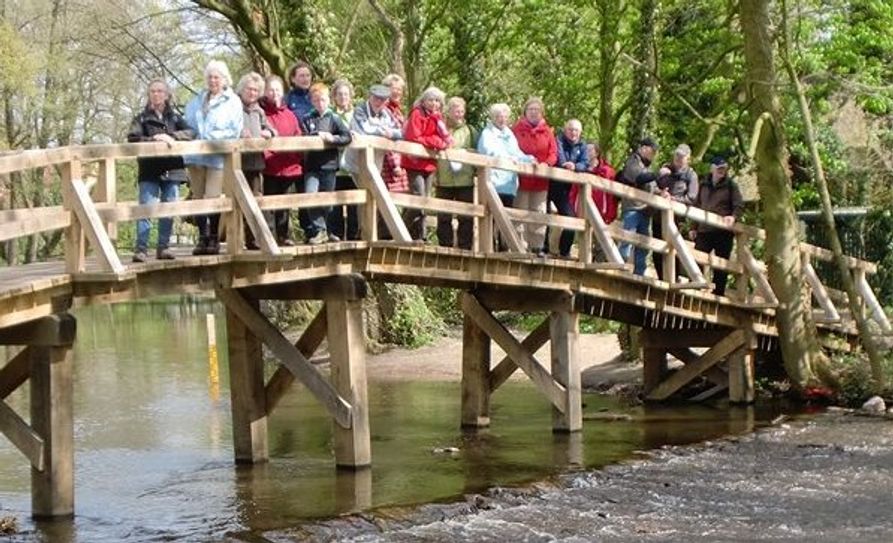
{"points": [[818, 478]]}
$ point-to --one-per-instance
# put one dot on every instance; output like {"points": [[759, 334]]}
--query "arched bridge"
{"points": [[675, 315]]}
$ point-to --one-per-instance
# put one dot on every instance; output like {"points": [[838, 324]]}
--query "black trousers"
{"points": [[560, 195], [278, 220], [720, 242], [465, 233], [345, 228]]}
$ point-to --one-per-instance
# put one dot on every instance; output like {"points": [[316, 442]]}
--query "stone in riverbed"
{"points": [[875, 405]]}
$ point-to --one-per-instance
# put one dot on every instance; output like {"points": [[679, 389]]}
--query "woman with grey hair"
{"points": [[426, 126], [214, 114], [254, 125]]}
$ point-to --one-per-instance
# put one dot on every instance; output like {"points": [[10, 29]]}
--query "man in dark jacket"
{"points": [[571, 156], [320, 167], [635, 215], [158, 176], [719, 194], [676, 181]]}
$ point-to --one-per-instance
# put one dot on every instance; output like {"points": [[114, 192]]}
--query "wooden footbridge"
{"points": [[675, 316]]}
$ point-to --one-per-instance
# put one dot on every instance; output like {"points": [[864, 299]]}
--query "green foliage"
{"points": [[854, 377], [879, 248]]}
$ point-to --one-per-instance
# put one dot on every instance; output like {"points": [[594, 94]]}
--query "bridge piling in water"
{"points": [[48, 443]]}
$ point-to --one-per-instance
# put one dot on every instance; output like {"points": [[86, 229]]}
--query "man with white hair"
{"points": [[572, 156], [676, 181]]}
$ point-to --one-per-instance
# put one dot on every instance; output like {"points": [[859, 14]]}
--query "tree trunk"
{"points": [[644, 89], [853, 298], [797, 333]]}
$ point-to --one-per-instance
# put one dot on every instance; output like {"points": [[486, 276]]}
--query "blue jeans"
{"points": [[313, 219], [150, 192], [638, 221]]}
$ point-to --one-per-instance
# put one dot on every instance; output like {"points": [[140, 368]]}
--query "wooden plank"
{"points": [[17, 161], [741, 373], [680, 378], [756, 272], [15, 373], [253, 215], [654, 367], [315, 199], [248, 403], [438, 205], [75, 243], [554, 392], [497, 211], [564, 327], [483, 226], [107, 191], [819, 293], [475, 375], [715, 374], [532, 343], [370, 179], [52, 418], [683, 339], [27, 222], [554, 221], [22, 436], [307, 344], [131, 211], [669, 258], [347, 348], [336, 287], [525, 299], [288, 355], [92, 226], [877, 312], [683, 252], [585, 246], [53, 330], [600, 230]]}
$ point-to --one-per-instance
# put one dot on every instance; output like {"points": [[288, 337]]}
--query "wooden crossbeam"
{"points": [[531, 344], [92, 226], [245, 201], [338, 287], [48, 331], [600, 230], [820, 293], [682, 250], [15, 373], [21, 435], [503, 224], [307, 344], [680, 378], [288, 355], [554, 392], [755, 270], [371, 180], [715, 374]]}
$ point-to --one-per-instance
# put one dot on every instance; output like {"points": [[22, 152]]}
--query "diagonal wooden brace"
{"points": [[288, 355], [307, 344], [725, 347]]}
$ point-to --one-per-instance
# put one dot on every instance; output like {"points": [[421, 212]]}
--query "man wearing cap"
{"points": [[635, 215], [372, 118], [719, 194], [676, 181]]}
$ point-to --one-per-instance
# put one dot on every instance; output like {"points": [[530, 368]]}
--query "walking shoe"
{"points": [[213, 247], [285, 242], [140, 256], [333, 238], [202, 247], [321, 237], [251, 246], [164, 254]]}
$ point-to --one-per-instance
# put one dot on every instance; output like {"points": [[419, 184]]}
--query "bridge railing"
{"points": [[93, 218]]}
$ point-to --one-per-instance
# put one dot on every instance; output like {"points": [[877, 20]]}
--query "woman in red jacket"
{"points": [[282, 169], [426, 126], [535, 137]]}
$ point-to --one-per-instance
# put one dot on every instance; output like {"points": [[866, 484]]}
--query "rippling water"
{"points": [[154, 457]]}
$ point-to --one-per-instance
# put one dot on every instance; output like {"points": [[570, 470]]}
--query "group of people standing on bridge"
{"points": [[260, 107]]}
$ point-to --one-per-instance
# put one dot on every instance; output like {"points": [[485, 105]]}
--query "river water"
{"points": [[153, 440]]}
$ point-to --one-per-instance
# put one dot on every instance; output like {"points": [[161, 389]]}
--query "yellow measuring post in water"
{"points": [[213, 369]]}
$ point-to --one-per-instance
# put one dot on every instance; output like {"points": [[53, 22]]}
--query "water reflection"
{"points": [[154, 454]]}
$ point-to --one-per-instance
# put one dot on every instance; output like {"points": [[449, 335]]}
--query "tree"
{"points": [[797, 332]]}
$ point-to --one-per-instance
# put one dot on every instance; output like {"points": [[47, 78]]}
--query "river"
{"points": [[154, 457]]}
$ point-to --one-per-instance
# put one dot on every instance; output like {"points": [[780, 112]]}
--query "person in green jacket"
{"points": [[455, 181]]}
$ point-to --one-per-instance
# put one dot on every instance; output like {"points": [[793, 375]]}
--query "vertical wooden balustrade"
{"points": [[107, 192]]}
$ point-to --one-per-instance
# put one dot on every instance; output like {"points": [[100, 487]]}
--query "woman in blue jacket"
{"points": [[215, 114]]}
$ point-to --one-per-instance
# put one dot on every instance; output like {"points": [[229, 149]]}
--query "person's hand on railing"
{"points": [[569, 165], [165, 138], [266, 134], [327, 137], [729, 220], [693, 234]]}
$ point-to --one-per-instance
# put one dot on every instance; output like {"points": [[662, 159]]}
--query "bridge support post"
{"points": [[741, 382], [247, 394], [475, 375], [347, 348], [48, 442], [564, 328]]}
